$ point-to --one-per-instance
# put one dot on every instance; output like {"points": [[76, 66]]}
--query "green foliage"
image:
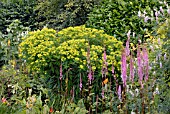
{"points": [[59, 14], [23, 11], [36, 14], [9, 42], [70, 107], [22, 93], [117, 17], [159, 57]]}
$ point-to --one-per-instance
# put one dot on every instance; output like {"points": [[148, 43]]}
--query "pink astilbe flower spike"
{"points": [[127, 43], [119, 93], [90, 73], [61, 74], [146, 62], [131, 68], [104, 56], [123, 67], [140, 67], [105, 64], [90, 76]]}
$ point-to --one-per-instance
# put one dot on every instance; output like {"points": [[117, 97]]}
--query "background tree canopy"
{"points": [[54, 14]]}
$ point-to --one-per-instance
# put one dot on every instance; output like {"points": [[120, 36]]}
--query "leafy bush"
{"points": [[38, 48], [74, 42], [117, 17]]}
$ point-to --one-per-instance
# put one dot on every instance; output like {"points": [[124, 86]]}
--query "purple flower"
{"points": [[146, 62], [104, 67], [119, 92], [168, 10], [90, 76], [131, 68], [161, 9], [139, 62], [104, 56], [146, 19], [127, 43], [156, 14], [123, 67], [90, 73], [61, 75]]}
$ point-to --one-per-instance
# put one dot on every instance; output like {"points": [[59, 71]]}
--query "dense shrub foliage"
{"points": [[38, 48], [36, 14], [62, 14], [24, 12], [117, 17], [70, 48]]}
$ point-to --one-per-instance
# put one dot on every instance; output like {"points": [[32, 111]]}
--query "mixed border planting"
{"points": [[115, 61]]}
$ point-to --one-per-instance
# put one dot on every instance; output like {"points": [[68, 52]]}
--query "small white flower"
{"points": [[139, 13], [133, 34], [131, 93], [157, 91], [165, 56], [160, 64], [137, 91], [132, 112], [8, 30]]}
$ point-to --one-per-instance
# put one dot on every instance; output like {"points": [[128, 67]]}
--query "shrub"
{"points": [[74, 42], [117, 17], [38, 48]]}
